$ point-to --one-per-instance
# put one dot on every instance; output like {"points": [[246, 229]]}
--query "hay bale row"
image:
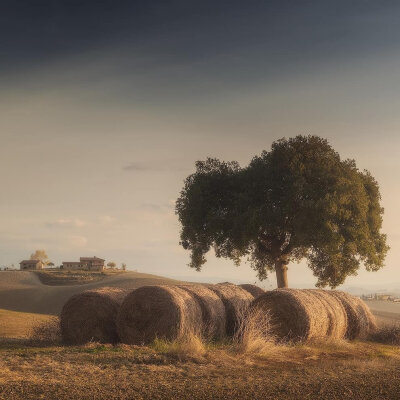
{"points": [[335, 313], [168, 312], [310, 314], [91, 316], [236, 301], [360, 321], [254, 290], [212, 310], [108, 315]]}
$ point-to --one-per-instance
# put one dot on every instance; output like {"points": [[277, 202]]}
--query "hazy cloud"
{"points": [[67, 222], [106, 219], [135, 166], [158, 208], [77, 241], [163, 165]]}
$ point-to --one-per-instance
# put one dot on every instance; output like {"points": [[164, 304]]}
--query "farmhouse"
{"points": [[86, 263], [31, 264]]}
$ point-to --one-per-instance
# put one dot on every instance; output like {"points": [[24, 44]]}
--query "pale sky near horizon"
{"points": [[104, 109]]}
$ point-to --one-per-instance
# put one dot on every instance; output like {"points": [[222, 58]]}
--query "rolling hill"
{"points": [[23, 291], [24, 299]]}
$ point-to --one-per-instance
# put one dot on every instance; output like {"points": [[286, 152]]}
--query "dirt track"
{"points": [[23, 291]]}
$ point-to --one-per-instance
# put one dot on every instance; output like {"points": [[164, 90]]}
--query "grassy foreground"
{"points": [[358, 370], [34, 365]]}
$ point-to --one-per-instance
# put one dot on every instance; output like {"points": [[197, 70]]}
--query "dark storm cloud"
{"points": [[186, 42]]}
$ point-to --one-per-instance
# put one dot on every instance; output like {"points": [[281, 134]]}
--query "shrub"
{"points": [[254, 333], [387, 334], [189, 346], [46, 333]]}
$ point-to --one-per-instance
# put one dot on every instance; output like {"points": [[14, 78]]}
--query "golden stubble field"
{"points": [[33, 368], [358, 370]]}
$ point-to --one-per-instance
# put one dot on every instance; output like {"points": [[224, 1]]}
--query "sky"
{"points": [[106, 105]]}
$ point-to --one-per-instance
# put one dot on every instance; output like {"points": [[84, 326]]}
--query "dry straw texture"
{"points": [[163, 312], [46, 332], [314, 314], [336, 313], [236, 300], [91, 316], [360, 320], [212, 309], [303, 314], [254, 290], [253, 335]]}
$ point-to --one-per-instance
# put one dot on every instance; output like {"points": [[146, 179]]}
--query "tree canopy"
{"points": [[111, 264], [40, 255], [298, 200]]}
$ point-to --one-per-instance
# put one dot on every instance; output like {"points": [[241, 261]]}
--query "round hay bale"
{"points": [[368, 317], [360, 321], [337, 316], [212, 310], [164, 312], [254, 290], [295, 314], [91, 316], [236, 300]]}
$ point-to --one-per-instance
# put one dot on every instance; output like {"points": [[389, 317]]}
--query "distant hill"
{"points": [[392, 289], [23, 290], [386, 312]]}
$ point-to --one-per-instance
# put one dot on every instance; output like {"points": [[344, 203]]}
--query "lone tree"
{"points": [[40, 255], [111, 264], [299, 200]]}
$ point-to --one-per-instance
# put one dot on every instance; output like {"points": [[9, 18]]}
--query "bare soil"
{"points": [[349, 371]]}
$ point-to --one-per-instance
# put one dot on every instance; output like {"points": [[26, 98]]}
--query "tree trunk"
{"points": [[281, 273]]}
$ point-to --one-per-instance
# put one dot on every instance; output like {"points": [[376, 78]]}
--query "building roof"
{"points": [[29, 261], [91, 259], [71, 262]]}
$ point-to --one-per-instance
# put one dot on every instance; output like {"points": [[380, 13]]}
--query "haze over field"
{"points": [[104, 111]]}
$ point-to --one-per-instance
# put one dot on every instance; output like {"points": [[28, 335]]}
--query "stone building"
{"points": [[85, 263], [30, 264]]}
